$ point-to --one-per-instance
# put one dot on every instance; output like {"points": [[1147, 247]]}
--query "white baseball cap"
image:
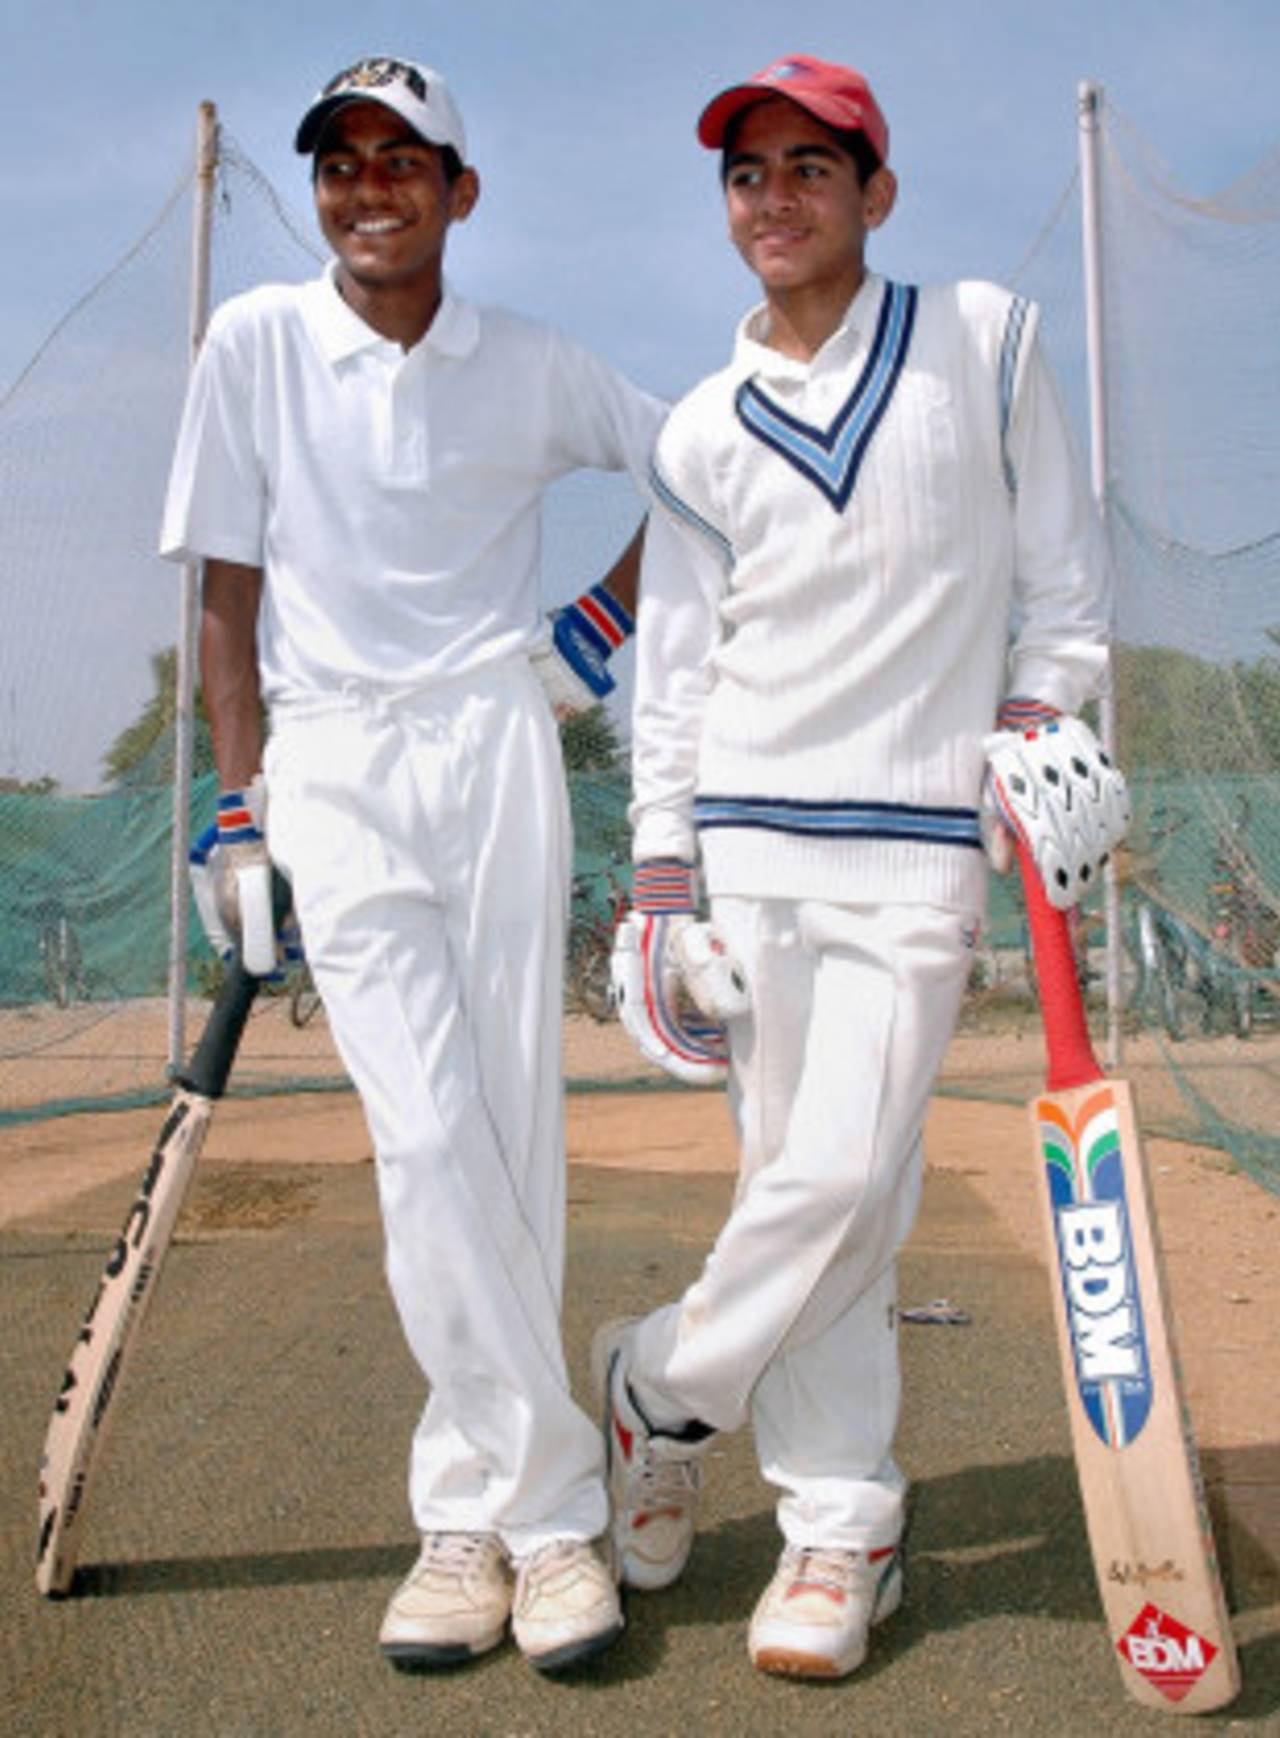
{"points": [[416, 93]]}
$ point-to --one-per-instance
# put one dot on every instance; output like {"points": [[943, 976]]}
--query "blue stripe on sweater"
{"points": [[842, 820], [831, 458]]}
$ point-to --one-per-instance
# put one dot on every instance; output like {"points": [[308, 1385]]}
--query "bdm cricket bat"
{"points": [[1139, 1473], [73, 1442]]}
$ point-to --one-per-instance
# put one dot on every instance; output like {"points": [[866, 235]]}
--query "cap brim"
{"points": [[832, 111], [715, 118], [320, 113]]}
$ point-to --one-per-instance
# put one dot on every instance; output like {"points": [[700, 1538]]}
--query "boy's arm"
{"points": [[230, 599], [1059, 655], [585, 634], [682, 580]]}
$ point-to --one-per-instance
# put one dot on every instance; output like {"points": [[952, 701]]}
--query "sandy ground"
{"points": [[274, 1388], [1219, 1230]]}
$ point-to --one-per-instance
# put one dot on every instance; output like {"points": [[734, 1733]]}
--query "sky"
{"points": [[599, 211]]}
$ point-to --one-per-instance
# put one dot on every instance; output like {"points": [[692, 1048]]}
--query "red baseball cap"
{"points": [[837, 95]]}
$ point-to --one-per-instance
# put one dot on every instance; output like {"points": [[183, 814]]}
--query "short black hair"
{"points": [[851, 140]]}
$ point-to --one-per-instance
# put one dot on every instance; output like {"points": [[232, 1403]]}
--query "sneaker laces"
{"points": [[547, 1561], [822, 1568], [452, 1553], [667, 1483]]}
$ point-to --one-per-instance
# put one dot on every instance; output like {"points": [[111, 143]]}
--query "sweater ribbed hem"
{"points": [[754, 864]]}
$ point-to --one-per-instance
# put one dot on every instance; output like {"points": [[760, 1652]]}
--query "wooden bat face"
{"points": [[98, 1359], [109, 1331], [1139, 1473]]}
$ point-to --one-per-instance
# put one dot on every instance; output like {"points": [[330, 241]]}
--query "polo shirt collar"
{"points": [[341, 333], [752, 356]]}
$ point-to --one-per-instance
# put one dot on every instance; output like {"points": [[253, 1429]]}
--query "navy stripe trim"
{"points": [[831, 458], [842, 820]]}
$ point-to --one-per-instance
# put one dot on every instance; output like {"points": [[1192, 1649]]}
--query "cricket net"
{"points": [[87, 674]]}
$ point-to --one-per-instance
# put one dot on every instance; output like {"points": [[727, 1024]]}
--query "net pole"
{"points": [[188, 609], [1090, 109]]}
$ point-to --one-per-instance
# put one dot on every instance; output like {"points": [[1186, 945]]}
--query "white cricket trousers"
{"points": [[427, 838], [792, 1322]]}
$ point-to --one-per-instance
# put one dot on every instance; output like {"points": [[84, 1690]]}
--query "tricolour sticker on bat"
{"points": [[1084, 1171]]}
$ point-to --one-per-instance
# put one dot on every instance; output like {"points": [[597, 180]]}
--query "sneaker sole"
{"points": [[575, 1652], [417, 1656]]}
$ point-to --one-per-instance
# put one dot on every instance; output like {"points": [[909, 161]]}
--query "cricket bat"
{"points": [[1139, 1472], [109, 1332]]}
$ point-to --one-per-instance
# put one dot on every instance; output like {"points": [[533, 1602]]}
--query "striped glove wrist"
{"points": [[1021, 712], [664, 886], [587, 633]]}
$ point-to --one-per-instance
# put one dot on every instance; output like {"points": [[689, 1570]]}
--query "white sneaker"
{"points": [[453, 1604], [566, 1604], [654, 1476], [813, 1617]]}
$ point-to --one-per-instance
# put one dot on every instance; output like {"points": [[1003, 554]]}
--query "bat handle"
{"points": [[1066, 1031]]}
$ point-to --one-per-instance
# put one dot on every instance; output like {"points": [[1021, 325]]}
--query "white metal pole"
{"points": [[188, 617], [1091, 98]]}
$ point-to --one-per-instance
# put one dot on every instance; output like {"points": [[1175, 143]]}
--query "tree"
{"points": [[589, 742], [142, 754]]}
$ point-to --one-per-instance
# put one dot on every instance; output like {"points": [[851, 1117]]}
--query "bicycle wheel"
{"points": [[1158, 984], [1242, 1007], [53, 955], [304, 1001], [590, 978]]}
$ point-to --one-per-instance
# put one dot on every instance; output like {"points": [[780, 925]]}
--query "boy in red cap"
{"points": [[860, 509]]}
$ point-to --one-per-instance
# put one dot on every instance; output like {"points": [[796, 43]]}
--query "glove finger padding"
{"points": [[1058, 791], [711, 975], [647, 983]]}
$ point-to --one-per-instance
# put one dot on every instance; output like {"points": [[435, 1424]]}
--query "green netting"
{"points": [[1192, 303]]}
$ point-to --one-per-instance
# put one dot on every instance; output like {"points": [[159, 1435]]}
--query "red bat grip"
{"points": [[1066, 1031]]}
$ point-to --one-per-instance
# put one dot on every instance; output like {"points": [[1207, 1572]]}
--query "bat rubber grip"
{"points": [[1071, 1061]]}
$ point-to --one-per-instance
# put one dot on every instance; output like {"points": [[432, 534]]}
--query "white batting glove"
{"points": [[1058, 792], [573, 666], [1017, 712], [674, 982], [231, 878]]}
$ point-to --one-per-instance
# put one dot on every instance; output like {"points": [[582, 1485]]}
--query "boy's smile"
{"points": [[797, 213], [384, 202]]}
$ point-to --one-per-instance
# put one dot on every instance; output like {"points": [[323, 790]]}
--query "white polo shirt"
{"points": [[391, 498]]}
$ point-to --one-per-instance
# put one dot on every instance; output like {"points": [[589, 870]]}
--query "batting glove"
{"points": [[231, 879], [1017, 712], [674, 982], [573, 668], [1058, 793]]}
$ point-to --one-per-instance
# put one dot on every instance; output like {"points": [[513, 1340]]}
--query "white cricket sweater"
{"points": [[828, 599]]}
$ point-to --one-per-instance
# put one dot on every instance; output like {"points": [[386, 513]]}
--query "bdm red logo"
{"points": [[1166, 1652]]}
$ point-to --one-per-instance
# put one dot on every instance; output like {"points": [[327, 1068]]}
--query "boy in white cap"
{"points": [[360, 468], [856, 510]]}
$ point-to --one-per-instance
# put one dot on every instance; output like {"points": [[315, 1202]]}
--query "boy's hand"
{"points": [[674, 982], [1057, 791], [584, 636]]}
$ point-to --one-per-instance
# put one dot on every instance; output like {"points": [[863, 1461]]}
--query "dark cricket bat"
{"points": [[1135, 1456], [109, 1333]]}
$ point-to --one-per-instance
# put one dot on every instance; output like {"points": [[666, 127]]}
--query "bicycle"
{"points": [[304, 998], [60, 959], [1228, 966], [592, 925]]}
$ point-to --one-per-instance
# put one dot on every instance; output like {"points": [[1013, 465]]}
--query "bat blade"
{"points": [[108, 1335], [1136, 1460]]}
